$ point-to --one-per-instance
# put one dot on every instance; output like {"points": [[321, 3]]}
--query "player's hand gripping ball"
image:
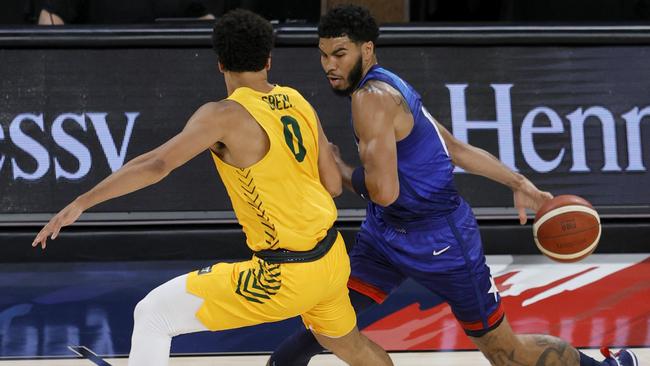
{"points": [[567, 228]]}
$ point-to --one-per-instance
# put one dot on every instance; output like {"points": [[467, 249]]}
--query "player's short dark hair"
{"points": [[349, 20], [242, 40]]}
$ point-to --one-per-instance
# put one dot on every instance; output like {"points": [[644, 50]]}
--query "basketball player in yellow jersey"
{"points": [[280, 173]]}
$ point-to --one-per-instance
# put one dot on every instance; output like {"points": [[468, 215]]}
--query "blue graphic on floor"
{"points": [[45, 307]]}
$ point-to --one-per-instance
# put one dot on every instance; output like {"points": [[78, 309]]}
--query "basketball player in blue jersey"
{"points": [[417, 225]]}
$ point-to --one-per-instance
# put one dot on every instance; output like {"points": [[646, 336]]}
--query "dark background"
{"points": [[448, 11], [164, 73], [165, 85]]}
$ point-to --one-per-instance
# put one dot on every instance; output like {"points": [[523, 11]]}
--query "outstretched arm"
{"points": [[480, 162], [202, 130]]}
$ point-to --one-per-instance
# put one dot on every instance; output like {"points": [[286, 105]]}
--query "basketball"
{"points": [[567, 228]]}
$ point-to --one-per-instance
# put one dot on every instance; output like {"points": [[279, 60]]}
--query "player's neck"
{"points": [[366, 67], [254, 80]]}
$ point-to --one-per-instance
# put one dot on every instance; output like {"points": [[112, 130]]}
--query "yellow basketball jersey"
{"points": [[280, 201]]}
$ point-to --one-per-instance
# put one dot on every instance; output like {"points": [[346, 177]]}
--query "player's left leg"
{"points": [[501, 346], [167, 311], [372, 279], [333, 320], [624, 357], [355, 349], [476, 303], [461, 277], [299, 348]]}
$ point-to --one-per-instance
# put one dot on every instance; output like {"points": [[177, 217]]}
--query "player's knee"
{"points": [[347, 354], [146, 315], [351, 349], [142, 309]]}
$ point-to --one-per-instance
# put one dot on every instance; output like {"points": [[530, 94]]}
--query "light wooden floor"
{"points": [[400, 359]]}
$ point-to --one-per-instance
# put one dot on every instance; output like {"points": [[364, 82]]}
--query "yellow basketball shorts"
{"points": [[253, 292]]}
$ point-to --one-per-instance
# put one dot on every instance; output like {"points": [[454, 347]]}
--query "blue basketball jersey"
{"points": [[425, 171]]}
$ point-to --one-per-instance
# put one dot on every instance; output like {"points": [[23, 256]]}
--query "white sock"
{"points": [[167, 311]]}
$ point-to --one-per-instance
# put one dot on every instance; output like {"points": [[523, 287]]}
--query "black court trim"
{"points": [[84, 352]]}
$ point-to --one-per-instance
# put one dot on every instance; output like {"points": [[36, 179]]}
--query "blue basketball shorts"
{"points": [[444, 255]]}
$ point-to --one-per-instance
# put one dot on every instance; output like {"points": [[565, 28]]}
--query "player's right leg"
{"points": [[167, 311]]}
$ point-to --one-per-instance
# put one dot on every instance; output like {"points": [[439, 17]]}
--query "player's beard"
{"points": [[353, 80]]}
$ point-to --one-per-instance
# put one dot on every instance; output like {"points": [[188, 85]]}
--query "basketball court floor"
{"points": [[468, 358], [48, 307]]}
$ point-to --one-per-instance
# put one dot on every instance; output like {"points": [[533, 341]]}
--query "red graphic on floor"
{"points": [[596, 304]]}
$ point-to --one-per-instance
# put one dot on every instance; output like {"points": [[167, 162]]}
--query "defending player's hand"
{"points": [[65, 217], [527, 196], [337, 154], [343, 166]]}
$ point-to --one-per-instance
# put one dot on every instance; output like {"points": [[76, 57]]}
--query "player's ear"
{"points": [[367, 50], [268, 64], [220, 66]]}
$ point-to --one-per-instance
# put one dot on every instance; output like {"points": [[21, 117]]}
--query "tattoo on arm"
{"points": [[399, 99], [370, 87], [381, 87]]}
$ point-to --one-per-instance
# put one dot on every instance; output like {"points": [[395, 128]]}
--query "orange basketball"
{"points": [[567, 228]]}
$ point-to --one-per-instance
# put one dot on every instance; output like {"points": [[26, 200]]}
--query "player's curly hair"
{"points": [[242, 41], [349, 20]]}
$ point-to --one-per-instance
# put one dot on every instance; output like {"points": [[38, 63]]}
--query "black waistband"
{"points": [[289, 256]]}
